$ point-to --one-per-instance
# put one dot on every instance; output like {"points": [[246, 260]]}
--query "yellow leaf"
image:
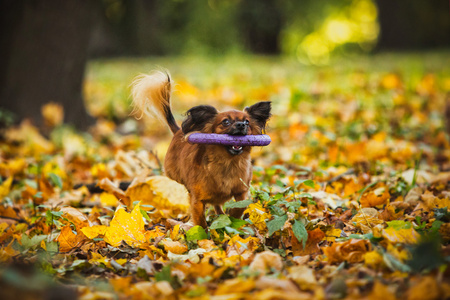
{"points": [[426, 288], [12, 167], [161, 192], [405, 236], [380, 291], [373, 259], [99, 259], [174, 235], [94, 231], [5, 187], [108, 199], [128, 227], [110, 187], [332, 234], [391, 81], [43, 245], [235, 285], [258, 215], [53, 114]]}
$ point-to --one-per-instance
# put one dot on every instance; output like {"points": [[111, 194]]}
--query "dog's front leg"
{"points": [[237, 212], [198, 211], [218, 209]]}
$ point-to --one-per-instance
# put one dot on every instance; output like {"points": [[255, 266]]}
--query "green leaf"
{"points": [[28, 243], [56, 180], [145, 215], [264, 196], [237, 223], [196, 233], [164, 275], [221, 222], [306, 195], [52, 247], [300, 232], [399, 224], [395, 264], [276, 224], [238, 204], [307, 182], [441, 213]]}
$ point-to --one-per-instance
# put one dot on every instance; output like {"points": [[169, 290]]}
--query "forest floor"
{"points": [[349, 201]]}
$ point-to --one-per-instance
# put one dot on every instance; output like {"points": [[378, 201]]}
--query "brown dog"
{"points": [[212, 174]]}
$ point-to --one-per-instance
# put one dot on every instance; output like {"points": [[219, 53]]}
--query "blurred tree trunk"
{"points": [[413, 24], [43, 55], [261, 22]]}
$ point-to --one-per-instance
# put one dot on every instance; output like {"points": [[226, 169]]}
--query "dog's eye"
{"points": [[246, 122], [226, 122]]}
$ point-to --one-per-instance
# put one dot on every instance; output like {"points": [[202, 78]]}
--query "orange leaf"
{"points": [[371, 199], [68, 239], [311, 247], [174, 247], [351, 251]]}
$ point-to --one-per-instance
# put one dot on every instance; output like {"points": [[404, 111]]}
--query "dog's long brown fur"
{"points": [[212, 174]]}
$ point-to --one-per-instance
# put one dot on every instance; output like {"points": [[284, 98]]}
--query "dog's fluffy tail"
{"points": [[151, 97]]}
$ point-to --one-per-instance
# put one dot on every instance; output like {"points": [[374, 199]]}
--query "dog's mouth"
{"points": [[235, 149]]}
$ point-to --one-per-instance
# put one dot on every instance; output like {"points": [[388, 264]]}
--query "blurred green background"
{"points": [[47, 45]]}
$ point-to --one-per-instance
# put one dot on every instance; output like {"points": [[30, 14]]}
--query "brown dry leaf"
{"points": [[352, 251], [174, 247], [366, 219], [75, 216], [303, 276], [8, 211], [265, 261], [311, 247], [391, 212]]}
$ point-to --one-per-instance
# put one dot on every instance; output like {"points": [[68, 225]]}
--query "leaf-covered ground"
{"points": [[349, 201]]}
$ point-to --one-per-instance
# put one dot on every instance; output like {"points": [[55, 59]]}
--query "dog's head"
{"points": [[206, 119]]}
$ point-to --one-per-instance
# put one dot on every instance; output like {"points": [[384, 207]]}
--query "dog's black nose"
{"points": [[240, 125]]}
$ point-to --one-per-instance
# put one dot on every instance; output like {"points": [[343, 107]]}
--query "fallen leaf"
{"points": [[351, 251], [128, 227], [265, 261]]}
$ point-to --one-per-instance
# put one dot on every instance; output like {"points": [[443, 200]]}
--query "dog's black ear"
{"points": [[260, 113], [198, 117]]}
